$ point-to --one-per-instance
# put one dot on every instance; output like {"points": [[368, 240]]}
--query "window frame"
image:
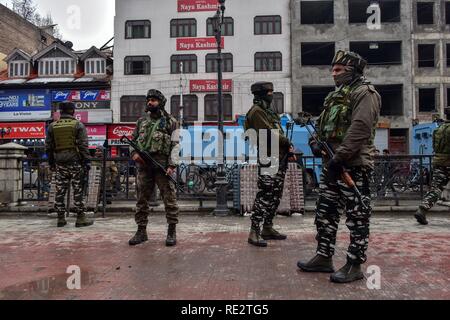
{"points": [[137, 100], [185, 62], [22, 66], [227, 23], [226, 57], [256, 58], [423, 45], [274, 25], [149, 25], [94, 61], [177, 25], [173, 108], [417, 13], [227, 103], [128, 72], [49, 64]]}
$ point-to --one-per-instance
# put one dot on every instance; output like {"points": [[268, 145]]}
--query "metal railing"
{"points": [[395, 178]]}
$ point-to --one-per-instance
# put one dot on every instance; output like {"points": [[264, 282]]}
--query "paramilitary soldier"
{"points": [[262, 117], [348, 125], [154, 134], [68, 153], [441, 169]]}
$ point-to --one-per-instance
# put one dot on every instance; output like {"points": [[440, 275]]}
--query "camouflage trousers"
{"points": [[65, 174], [441, 177], [146, 181], [268, 198], [333, 200]]}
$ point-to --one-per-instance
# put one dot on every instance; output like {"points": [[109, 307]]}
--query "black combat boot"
{"points": [[269, 233], [317, 264], [421, 217], [171, 235], [82, 221], [61, 220], [348, 273], [255, 237], [139, 237]]}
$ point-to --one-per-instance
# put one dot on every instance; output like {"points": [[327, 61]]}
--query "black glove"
{"points": [[335, 170], [316, 149]]}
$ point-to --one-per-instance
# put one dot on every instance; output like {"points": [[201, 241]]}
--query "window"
{"points": [[189, 63], [357, 11], [447, 12], [425, 13], [317, 12], [227, 28], [95, 66], [268, 25], [278, 102], [132, 108], [448, 97], [313, 99], [212, 107], [379, 53], [448, 55], [211, 62], [56, 67], [190, 107], [427, 100], [268, 61], [137, 65], [180, 28], [19, 69], [425, 53], [317, 53], [391, 99], [140, 29]]}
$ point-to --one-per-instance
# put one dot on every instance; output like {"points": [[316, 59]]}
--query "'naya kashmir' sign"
{"points": [[190, 44], [199, 86], [197, 5]]}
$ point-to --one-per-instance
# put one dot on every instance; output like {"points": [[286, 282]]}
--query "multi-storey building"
{"points": [[170, 45]]}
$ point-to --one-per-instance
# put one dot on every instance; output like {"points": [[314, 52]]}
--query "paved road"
{"points": [[214, 261]]}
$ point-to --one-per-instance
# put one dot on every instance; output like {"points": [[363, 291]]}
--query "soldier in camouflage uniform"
{"points": [[154, 133], [262, 117], [68, 153], [348, 125], [441, 169]]}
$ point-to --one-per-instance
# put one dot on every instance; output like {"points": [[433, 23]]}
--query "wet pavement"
{"points": [[214, 261]]}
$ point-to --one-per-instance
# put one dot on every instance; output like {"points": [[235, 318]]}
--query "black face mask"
{"points": [[344, 78], [268, 99]]}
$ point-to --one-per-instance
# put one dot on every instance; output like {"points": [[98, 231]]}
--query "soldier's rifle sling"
{"points": [[149, 159]]}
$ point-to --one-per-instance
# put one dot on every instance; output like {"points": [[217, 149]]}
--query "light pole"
{"points": [[221, 182]]}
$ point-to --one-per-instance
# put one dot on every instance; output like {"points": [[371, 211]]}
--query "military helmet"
{"points": [[351, 59], [66, 106], [158, 95], [261, 88]]}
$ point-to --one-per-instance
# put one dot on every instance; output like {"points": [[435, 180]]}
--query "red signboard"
{"points": [[23, 130], [199, 86], [117, 131], [190, 44], [197, 5]]}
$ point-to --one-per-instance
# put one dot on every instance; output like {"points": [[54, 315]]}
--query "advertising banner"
{"points": [[191, 44], [117, 131], [92, 116], [24, 130], [17, 105], [84, 95], [197, 5], [96, 133], [199, 86]]}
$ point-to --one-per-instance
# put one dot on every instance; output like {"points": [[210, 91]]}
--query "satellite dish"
{"points": [[68, 44]]}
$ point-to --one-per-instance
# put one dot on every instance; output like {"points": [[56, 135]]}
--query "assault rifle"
{"points": [[145, 155], [304, 120]]}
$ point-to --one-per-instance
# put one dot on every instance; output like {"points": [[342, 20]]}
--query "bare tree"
{"points": [[27, 10]]}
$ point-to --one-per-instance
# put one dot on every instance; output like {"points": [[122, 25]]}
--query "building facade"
{"points": [[36, 83], [170, 46]]}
